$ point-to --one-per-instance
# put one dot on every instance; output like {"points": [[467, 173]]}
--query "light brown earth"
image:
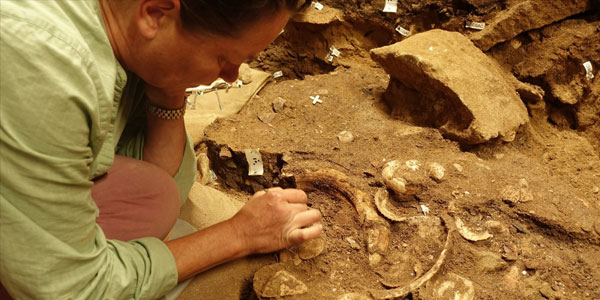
{"points": [[538, 196]]}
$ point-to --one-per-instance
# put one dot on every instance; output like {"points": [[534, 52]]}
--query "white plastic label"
{"points": [[403, 31], [475, 25], [278, 74], [317, 5], [255, 163], [315, 99], [333, 51], [588, 70], [391, 6]]}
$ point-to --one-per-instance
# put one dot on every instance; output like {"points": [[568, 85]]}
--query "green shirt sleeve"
{"points": [[50, 120]]}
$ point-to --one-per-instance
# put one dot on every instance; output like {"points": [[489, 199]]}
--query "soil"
{"points": [[538, 196]]}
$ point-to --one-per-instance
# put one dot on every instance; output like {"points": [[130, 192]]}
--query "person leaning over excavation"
{"points": [[95, 161]]}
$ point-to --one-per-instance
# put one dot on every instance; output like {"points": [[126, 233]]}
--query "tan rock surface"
{"points": [[441, 79], [524, 16]]}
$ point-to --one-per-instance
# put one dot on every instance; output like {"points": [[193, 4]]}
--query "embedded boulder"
{"points": [[524, 16], [440, 79]]}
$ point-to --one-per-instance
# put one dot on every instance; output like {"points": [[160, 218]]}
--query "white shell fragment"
{"points": [[417, 283], [382, 198], [468, 234], [391, 177], [475, 25], [403, 31], [589, 75], [391, 6], [317, 5], [255, 163], [437, 172]]}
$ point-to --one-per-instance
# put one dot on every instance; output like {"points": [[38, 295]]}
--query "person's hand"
{"points": [[275, 219]]}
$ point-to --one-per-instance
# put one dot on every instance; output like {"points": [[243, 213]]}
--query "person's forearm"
{"points": [[165, 143], [206, 249]]}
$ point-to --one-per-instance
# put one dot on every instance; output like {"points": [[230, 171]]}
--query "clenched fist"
{"points": [[275, 219]]}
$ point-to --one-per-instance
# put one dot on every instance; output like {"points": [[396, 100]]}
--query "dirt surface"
{"points": [[537, 197]]}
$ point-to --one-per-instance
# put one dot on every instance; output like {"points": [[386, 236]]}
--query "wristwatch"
{"points": [[167, 114]]}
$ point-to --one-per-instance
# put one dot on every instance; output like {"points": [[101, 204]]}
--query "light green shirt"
{"points": [[64, 107]]}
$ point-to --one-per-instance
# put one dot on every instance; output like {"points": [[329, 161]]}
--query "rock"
{"points": [[547, 292], [204, 169], [269, 117], [245, 74], [225, 153], [323, 92], [311, 248], [489, 262], [278, 105], [469, 97], [524, 16], [287, 256], [513, 195], [345, 137], [496, 227], [509, 254], [512, 279], [353, 243], [283, 284], [437, 171], [458, 167]]}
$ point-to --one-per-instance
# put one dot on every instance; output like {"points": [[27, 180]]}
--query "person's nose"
{"points": [[230, 72]]}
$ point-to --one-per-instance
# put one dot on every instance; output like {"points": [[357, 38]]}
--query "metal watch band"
{"points": [[168, 114]]}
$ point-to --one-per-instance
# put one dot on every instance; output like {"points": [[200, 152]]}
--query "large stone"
{"points": [[524, 16], [440, 79]]}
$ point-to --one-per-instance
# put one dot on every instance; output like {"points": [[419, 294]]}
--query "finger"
{"points": [[303, 234], [294, 196], [305, 218]]}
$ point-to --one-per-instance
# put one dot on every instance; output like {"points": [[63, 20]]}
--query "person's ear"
{"points": [[153, 14]]}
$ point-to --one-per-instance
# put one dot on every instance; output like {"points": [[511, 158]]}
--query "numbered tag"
{"points": [[391, 6], [278, 74], [317, 5], [475, 25], [588, 70], [255, 163], [403, 31]]}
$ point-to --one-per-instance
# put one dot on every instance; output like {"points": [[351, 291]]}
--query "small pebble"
{"points": [[225, 153], [458, 167], [279, 104], [437, 171], [345, 137], [523, 183], [353, 243]]}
